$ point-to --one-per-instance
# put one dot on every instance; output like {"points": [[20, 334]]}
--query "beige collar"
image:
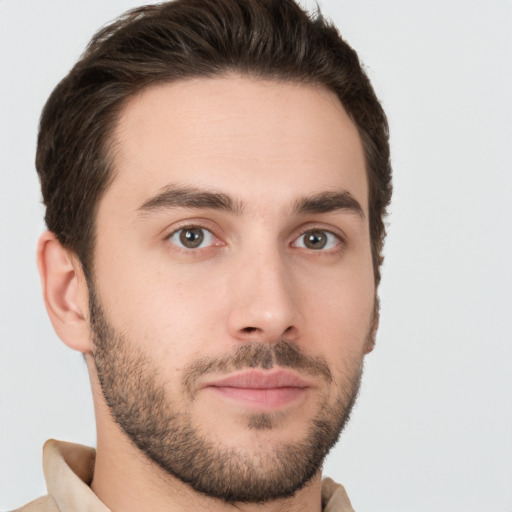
{"points": [[68, 471]]}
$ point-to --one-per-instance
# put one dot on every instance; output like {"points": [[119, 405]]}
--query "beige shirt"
{"points": [[68, 470]]}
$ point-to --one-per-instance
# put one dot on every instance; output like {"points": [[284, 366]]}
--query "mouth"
{"points": [[260, 390]]}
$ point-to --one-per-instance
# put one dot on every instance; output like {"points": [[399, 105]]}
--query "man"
{"points": [[216, 174]]}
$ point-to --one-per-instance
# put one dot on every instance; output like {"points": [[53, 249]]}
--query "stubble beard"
{"points": [[164, 432]]}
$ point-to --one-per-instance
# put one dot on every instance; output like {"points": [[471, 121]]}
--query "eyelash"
{"points": [[335, 241], [212, 240]]}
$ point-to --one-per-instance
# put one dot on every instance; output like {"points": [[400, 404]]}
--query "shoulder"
{"points": [[44, 504]]}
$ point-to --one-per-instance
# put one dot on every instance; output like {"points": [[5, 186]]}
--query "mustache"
{"points": [[284, 354]]}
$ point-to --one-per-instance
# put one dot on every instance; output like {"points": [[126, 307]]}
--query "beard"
{"points": [[162, 428]]}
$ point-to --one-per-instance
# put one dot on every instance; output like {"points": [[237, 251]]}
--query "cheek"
{"points": [[340, 308], [163, 308]]}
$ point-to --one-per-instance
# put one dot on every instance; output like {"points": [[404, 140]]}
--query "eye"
{"points": [[317, 240], [192, 238]]}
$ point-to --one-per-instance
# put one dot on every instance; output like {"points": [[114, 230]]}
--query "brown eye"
{"points": [[317, 240], [192, 238]]}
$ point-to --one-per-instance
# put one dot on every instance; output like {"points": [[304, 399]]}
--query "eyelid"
{"points": [[336, 232], [207, 239], [192, 224], [199, 222]]}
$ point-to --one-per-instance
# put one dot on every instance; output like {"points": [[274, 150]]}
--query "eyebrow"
{"points": [[192, 197], [326, 202], [172, 196]]}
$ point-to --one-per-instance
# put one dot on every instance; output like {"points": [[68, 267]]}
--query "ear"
{"points": [[65, 292], [370, 342]]}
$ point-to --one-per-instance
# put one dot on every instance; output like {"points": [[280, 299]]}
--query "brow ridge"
{"points": [[172, 196], [191, 197], [326, 202]]}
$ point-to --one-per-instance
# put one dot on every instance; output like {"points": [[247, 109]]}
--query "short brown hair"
{"points": [[271, 39]]}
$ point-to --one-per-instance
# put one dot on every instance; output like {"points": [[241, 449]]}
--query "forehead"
{"points": [[248, 137]]}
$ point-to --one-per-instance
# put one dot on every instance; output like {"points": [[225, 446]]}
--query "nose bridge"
{"points": [[264, 308]]}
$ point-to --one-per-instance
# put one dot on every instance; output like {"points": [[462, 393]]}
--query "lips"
{"points": [[257, 389]]}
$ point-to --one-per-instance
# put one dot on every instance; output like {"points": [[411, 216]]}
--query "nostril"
{"points": [[251, 330]]}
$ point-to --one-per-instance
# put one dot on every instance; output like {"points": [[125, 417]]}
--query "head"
{"points": [[219, 173]]}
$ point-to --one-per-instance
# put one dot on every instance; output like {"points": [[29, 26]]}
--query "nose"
{"points": [[264, 305]]}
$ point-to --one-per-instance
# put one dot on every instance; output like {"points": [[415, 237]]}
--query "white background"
{"points": [[432, 430]]}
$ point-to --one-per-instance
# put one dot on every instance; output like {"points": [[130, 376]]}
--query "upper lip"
{"points": [[260, 379]]}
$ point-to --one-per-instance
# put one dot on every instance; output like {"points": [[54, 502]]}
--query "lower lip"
{"points": [[264, 399]]}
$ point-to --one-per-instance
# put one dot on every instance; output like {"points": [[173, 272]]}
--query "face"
{"points": [[233, 294]]}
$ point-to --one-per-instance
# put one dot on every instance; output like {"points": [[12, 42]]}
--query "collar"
{"points": [[68, 471]]}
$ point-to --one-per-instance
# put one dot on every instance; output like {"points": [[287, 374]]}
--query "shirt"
{"points": [[69, 468]]}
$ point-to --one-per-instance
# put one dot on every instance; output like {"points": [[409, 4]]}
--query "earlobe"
{"points": [[370, 343], [64, 292]]}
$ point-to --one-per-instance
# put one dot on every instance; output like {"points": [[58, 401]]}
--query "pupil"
{"points": [[315, 240], [191, 238]]}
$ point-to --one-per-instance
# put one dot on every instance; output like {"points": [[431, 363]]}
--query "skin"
{"points": [[266, 145]]}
